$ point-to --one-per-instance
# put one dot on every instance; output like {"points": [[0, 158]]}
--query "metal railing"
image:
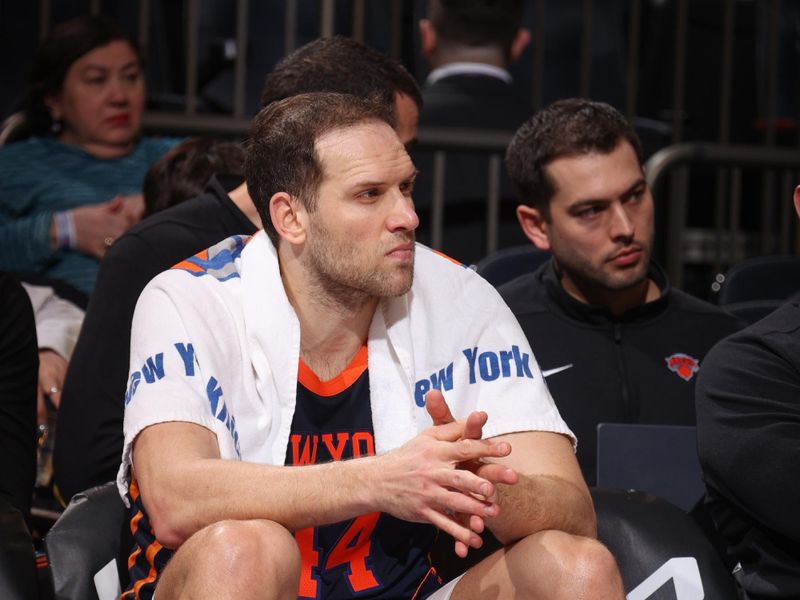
{"points": [[493, 145], [638, 16], [777, 227], [668, 173]]}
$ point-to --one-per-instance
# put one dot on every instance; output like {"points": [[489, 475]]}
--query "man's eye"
{"points": [[368, 194], [588, 213], [407, 188]]}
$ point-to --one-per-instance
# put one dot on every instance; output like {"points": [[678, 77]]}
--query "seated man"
{"points": [[89, 443], [748, 438], [317, 341], [616, 343]]}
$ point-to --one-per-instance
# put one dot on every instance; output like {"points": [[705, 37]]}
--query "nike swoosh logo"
{"points": [[556, 370]]}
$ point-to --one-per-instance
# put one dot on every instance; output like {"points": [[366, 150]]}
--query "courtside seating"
{"points": [[83, 546], [757, 286], [662, 554], [509, 263]]}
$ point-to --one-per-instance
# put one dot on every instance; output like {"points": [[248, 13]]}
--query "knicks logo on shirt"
{"points": [[683, 365]]}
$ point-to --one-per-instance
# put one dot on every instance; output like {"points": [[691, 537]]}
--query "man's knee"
{"points": [[583, 566], [260, 549]]}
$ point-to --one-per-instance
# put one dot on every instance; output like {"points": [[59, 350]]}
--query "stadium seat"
{"points": [[660, 459], [661, 552], [83, 546], [509, 263], [755, 287]]}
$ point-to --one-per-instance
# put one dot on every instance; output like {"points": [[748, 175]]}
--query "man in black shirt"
{"points": [[616, 343], [748, 438]]}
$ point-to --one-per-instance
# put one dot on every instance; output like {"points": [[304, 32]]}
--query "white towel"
{"points": [[216, 342]]}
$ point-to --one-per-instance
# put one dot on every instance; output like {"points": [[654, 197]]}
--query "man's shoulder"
{"points": [[778, 332], [201, 212], [471, 102], [219, 262], [749, 362], [696, 310]]}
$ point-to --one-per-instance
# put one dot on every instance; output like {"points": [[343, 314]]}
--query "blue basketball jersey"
{"points": [[373, 555]]}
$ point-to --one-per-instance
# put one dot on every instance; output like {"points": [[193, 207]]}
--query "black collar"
{"points": [[599, 315]]}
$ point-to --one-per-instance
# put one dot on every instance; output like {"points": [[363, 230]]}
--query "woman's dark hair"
{"points": [[183, 172], [66, 43]]}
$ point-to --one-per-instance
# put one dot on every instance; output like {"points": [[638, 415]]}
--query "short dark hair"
{"points": [[476, 22], [343, 65], [281, 152], [65, 44], [570, 127], [183, 172]]}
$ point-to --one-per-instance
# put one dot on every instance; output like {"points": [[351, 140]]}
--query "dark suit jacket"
{"points": [[474, 102]]}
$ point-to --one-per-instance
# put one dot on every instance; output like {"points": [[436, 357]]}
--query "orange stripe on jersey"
{"points": [[188, 266], [431, 571], [452, 260], [309, 380], [150, 555], [134, 526]]}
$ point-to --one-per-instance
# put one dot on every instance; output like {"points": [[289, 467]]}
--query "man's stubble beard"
{"points": [[342, 281]]}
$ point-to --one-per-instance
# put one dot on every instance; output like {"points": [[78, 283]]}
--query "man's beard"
{"points": [[342, 276], [590, 278]]}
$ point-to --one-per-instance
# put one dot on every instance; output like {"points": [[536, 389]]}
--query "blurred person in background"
{"points": [[71, 189]]}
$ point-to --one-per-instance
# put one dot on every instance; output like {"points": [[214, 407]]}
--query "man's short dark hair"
{"points": [[571, 127], [281, 153], [343, 65], [183, 171], [476, 22]]}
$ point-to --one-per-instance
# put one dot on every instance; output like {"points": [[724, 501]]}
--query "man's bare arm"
{"points": [[185, 486], [550, 494], [549, 491]]}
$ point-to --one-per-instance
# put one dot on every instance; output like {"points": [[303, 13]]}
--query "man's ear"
{"points": [[521, 41], [534, 226], [288, 217], [427, 38], [797, 200]]}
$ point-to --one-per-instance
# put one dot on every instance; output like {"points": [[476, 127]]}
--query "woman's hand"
{"points": [[97, 226], [52, 370]]}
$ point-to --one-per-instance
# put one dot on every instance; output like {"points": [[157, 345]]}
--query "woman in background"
{"points": [[70, 190]]}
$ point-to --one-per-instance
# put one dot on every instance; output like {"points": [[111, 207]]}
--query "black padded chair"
{"points": [[509, 263], [755, 287], [662, 554], [83, 546], [660, 459]]}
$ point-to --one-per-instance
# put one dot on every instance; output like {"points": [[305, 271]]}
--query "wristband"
{"points": [[65, 230]]}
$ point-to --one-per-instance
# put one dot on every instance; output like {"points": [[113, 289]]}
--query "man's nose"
{"points": [[403, 216], [621, 223]]}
